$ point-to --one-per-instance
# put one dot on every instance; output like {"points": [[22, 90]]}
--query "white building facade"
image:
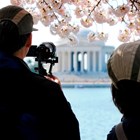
{"points": [[84, 58]]}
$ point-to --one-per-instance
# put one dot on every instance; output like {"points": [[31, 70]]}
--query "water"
{"points": [[95, 111]]}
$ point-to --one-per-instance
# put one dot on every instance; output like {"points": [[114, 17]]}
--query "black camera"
{"points": [[45, 52]]}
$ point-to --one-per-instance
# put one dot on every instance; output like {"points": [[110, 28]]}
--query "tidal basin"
{"points": [[94, 110]]}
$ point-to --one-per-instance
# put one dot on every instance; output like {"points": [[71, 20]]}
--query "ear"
{"points": [[29, 41]]}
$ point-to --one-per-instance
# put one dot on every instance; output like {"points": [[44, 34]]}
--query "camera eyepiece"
{"points": [[43, 52]]}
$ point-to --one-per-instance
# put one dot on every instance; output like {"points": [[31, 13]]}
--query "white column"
{"points": [[63, 61], [100, 62], [69, 61], [88, 61], [94, 61], [82, 61]]}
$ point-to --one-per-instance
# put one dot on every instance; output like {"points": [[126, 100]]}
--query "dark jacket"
{"points": [[131, 127], [32, 107]]}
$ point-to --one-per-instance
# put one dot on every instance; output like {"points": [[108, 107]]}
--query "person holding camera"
{"points": [[32, 107], [124, 72]]}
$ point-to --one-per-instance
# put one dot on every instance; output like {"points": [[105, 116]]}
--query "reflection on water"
{"points": [[94, 110]]}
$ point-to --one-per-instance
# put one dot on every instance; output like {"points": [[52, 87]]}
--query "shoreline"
{"points": [[72, 85], [92, 80]]}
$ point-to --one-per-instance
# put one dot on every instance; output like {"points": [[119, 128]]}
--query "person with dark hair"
{"points": [[32, 107], [124, 70]]}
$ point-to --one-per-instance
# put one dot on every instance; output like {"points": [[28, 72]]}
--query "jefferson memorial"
{"points": [[86, 57]]}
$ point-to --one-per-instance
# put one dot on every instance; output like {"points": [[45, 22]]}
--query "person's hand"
{"points": [[53, 78]]}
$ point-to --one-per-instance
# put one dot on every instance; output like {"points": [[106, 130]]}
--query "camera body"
{"points": [[45, 52]]}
